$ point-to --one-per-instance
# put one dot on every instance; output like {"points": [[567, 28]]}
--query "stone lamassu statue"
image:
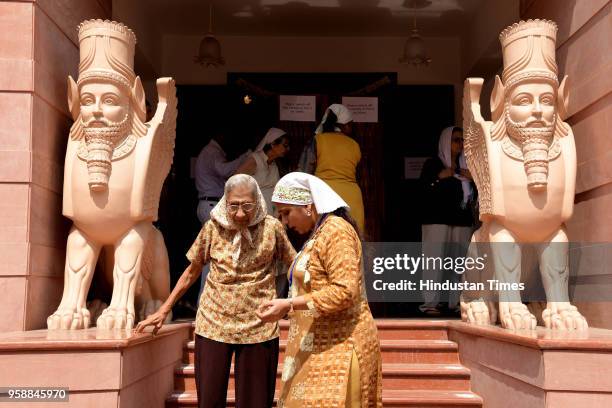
{"points": [[114, 170], [524, 164]]}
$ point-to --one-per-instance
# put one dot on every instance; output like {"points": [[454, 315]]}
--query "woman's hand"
{"points": [[156, 320], [273, 310]]}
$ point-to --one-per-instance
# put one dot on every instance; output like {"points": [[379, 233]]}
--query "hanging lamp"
{"points": [[414, 48], [209, 54]]}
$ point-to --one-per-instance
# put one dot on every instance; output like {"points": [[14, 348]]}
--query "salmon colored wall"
{"points": [[38, 50], [584, 52]]}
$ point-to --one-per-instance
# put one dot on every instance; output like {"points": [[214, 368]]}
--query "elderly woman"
{"points": [[242, 244], [333, 354]]}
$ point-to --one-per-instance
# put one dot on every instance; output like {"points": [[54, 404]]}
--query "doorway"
{"points": [[410, 118]]}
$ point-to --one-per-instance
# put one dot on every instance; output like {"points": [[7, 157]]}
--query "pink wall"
{"points": [[38, 50], [584, 52]]}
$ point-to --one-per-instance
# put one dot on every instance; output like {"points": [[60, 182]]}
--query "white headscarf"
{"points": [[444, 153], [223, 218], [271, 136], [302, 189], [343, 114]]}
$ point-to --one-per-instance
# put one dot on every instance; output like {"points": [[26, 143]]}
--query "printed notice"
{"points": [[413, 167], [298, 108], [364, 109]]}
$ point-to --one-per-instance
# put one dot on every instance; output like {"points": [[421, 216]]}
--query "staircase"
{"points": [[421, 368]]}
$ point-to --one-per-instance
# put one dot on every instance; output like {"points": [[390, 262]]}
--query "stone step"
{"points": [[395, 377], [391, 398], [393, 351], [431, 399], [389, 329]]}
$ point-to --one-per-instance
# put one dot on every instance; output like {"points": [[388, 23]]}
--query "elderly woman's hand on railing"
{"points": [[156, 320]]}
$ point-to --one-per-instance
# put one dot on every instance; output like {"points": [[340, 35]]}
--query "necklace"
{"points": [[299, 254]]}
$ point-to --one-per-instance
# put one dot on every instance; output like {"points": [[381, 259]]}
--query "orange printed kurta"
{"points": [[337, 327]]}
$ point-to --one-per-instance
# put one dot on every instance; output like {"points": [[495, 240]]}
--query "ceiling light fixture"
{"points": [[414, 48], [209, 54]]}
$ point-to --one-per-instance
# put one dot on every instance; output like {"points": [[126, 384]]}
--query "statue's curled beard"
{"points": [[535, 143], [100, 142]]}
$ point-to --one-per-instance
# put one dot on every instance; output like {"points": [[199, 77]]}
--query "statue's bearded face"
{"points": [[106, 120], [530, 122], [103, 106], [532, 105]]}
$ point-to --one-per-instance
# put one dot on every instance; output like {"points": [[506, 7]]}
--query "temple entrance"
{"points": [[407, 127]]}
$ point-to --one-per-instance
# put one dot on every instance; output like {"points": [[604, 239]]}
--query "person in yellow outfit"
{"points": [[337, 156]]}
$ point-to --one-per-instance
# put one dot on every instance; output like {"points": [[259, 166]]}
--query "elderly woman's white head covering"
{"points": [[302, 189], [271, 136], [223, 218], [444, 153], [343, 114]]}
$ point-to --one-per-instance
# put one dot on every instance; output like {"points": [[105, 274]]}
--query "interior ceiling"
{"points": [[310, 17]]}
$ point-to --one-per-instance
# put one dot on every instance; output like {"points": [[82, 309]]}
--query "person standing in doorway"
{"points": [[262, 163], [335, 156], [448, 216]]}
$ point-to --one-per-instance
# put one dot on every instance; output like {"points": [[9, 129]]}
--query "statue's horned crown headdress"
{"points": [[529, 52], [106, 51]]}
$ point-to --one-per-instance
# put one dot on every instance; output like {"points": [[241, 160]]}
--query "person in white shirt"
{"points": [[262, 163], [262, 166]]}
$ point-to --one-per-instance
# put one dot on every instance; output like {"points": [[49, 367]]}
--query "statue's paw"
{"points": [[69, 319], [112, 318], [475, 312], [564, 318], [516, 316]]}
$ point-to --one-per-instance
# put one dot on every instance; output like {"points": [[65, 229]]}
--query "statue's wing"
{"points": [[477, 143], [157, 157]]}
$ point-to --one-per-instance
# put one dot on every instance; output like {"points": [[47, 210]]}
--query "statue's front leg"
{"points": [[81, 256], [559, 313], [128, 259], [506, 253], [476, 307]]}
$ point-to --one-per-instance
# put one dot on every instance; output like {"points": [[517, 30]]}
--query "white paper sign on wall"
{"points": [[364, 109], [298, 108], [413, 167]]}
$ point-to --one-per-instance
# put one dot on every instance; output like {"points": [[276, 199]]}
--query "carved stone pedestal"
{"points": [[537, 369], [101, 368]]}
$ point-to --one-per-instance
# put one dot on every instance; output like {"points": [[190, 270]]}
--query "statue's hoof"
{"points": [[68, 319], [115, 319], [518, 317], [565, 319], [475, 312]]}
